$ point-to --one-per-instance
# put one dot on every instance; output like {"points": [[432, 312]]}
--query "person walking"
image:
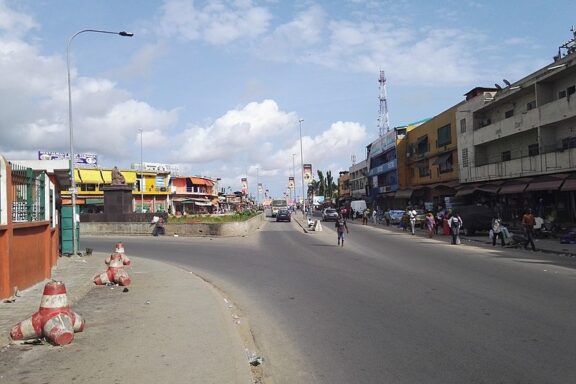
{"points": [[365, 215], [528, 222], [340, 228], [387, 217], [412, 216], [497, 231], [455, 223], [430, 224]]}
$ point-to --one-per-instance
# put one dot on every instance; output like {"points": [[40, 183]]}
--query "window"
{"points": [[506, 156], [561, 94], [463, 126], [446, 165], [533, 150], [444, 136], [571, 90], [423, 169], [88, 187], [509, 113], [531, 105], [422, 146], [464, 157], [569, 142]]}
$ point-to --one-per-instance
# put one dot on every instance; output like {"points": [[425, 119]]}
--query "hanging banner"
{"points": [[244, 183], [291, 182], [307, 173], [259, 187]]}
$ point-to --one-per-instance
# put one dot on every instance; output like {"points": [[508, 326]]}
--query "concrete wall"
{"points": [[240, 228]]}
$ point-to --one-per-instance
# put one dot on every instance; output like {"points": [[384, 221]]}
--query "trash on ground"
{"points": [[34, 342], [254, 359], [125, 290], [9, 300]]}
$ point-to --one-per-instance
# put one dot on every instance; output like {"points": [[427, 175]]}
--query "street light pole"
{"points": [[293, 179], [72, 157], [141, 173], [302, 161]]}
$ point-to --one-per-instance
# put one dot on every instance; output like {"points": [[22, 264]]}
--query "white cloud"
{"points": [[218, 22]]}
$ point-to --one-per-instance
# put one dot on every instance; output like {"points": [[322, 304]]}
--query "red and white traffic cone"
{"points": [[115, 272], [119, 248], [54, 320]]}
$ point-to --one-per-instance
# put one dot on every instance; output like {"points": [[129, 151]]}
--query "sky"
{"points": [[223, 88]]}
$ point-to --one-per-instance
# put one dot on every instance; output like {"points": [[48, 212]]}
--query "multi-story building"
{"points": [[193, 194], [344, 187], [382, 167], [518, 142], [431, 161], [358, 180]]}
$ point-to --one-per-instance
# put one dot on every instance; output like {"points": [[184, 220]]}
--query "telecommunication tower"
{"points": [[383, 125]]}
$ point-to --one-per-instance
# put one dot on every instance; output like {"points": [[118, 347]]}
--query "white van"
{"points": [[358, 206]]}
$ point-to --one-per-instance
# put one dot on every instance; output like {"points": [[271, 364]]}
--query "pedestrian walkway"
{"points": [[542, 245], [166, 314]]}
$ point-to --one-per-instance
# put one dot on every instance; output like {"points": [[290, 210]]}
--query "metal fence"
{"points": [[28, 194]]}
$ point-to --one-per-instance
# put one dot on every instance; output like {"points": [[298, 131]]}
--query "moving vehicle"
{"points": [[329, 214], [278, 205], [284, 215]]}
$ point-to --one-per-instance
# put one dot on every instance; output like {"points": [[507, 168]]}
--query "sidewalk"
{"points": [[170, 325], [542, 245]]}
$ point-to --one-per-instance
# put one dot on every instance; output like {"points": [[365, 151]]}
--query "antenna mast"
{"points": [[383, 125]]}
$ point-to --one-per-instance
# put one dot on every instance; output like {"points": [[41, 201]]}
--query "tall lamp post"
{"points": [[302, 169], [72, 157], [141, 173], [293, 179]]}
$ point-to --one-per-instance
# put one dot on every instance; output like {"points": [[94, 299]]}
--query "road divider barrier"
{"points": [[115, 274]]}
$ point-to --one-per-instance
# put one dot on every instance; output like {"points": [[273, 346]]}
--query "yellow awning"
{"points": [[90, 176], [129, 176], [107, 176], [77, 176]]}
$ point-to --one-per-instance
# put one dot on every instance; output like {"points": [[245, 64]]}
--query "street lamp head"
{"points": [[126, 34], [301, 120]]}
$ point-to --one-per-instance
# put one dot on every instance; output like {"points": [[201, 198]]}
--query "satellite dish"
{"points": [[506, 82], [498, 87]]}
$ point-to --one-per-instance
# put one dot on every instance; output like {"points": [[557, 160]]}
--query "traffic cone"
{"points": [[54, 320], [119, 248], [115, 272]]}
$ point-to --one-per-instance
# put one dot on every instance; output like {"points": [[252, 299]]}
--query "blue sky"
{"points": [[218, 87]]}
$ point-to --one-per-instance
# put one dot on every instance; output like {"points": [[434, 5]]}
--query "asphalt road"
{"points": [[388, 307]]}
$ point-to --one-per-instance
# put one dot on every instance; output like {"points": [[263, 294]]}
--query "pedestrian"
{"points": [[404, 221], [340, 228], [455, 223], [365, 215], [412, 216], [528, 222], [352, 213], [374, 216], [439, 219], [387, 217], [430, 224], [497, 231]]}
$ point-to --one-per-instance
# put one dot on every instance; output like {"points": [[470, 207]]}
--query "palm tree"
{"points": [[321, 189]]}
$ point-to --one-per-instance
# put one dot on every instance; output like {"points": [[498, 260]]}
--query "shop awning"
{"points": [[403, 193], [465, 191], [203, 203], [129, 176], [550, 185], [201, 181], [569, 185], [91, 176], [508, 189], [489, 188]]}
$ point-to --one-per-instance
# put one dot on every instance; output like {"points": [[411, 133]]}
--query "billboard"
{"points": [[260, 188], [84, 160], [244, 184], [291, 182], [307, 173]]}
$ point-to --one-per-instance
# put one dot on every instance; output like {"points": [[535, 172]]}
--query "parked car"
{"points": [[329, 214], [283, 215], [420, 218], [395, 216]]}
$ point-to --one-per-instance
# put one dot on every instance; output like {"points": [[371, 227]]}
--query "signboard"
{"points": [[307, 173], [291, 182], [84, 160], [259, 187], [244, 184]]}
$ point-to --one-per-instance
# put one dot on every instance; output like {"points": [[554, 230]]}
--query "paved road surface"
{"points": [[388, 307]]}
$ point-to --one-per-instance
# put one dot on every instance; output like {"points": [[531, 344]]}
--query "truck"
{"points": [[358, 206], [277, 205]]}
